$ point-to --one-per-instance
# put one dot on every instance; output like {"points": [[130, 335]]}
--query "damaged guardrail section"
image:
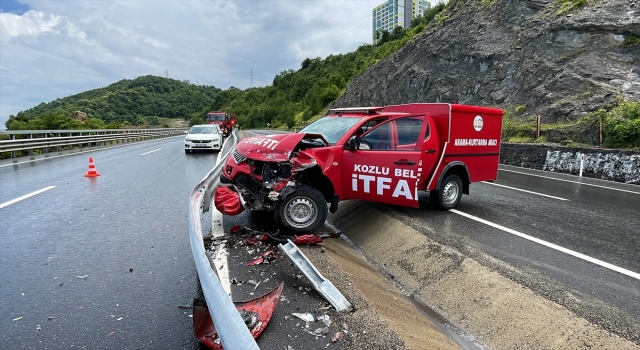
{"points": [[231, 329]]}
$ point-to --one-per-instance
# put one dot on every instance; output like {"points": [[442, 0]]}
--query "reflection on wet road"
{"points": [[100, 262]]}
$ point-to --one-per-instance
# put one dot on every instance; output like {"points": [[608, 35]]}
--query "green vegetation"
{"points": [[568, 5], [137, 102], [620, 126], [631, 40], [520, 109], [571, 55]]}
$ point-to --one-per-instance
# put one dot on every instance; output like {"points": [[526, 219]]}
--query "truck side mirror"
{"points": [[353, 144]]}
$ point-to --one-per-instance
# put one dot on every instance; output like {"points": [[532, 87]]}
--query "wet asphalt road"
{"points": [[134, 216], [600, 219], [126, 231]]}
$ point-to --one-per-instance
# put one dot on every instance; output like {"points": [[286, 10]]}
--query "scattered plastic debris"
{"points": [[319, 332], [266, 256], [307, 317], [18, 318], [308, 239], [335, 337], [325, 319], [83, 277]]}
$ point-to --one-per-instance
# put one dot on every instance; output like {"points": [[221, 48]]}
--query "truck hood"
{"points": [[273, 148]]}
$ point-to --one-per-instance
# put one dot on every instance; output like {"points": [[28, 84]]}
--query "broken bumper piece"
{"points": [[227, 201], [256, 314]]}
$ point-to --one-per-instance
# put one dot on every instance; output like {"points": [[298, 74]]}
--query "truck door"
{"points": [[385, 168], [430, 153]]}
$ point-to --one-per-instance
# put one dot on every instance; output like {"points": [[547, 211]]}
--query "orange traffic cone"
{"points": [[92, 169]]}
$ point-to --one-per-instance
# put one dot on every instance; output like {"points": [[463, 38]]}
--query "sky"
{"points": [[51, 49]]}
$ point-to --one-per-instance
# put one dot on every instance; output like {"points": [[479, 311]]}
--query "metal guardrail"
{"points": [[45, 140], [231, 329]]}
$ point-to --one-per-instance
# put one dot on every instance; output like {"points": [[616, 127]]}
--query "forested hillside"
{"points": [[294, 96], [128, 102]]}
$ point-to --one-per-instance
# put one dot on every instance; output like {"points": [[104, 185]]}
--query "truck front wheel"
{"points": [[449, 194], [303, 211]]}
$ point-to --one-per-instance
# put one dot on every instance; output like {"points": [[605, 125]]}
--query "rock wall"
{"points": [[513, 53], [607, 164]]}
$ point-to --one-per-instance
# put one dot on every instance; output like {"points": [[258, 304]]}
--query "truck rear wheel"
{"points": [[303, 211], [449, 194]]}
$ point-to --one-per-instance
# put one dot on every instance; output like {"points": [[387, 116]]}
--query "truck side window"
{"points": [[408, 130], [378, 138]]}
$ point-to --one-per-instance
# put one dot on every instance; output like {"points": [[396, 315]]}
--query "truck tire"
{"points": [[449, 194], [303, 211]]}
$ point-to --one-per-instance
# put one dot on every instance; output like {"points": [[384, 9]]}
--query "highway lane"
{"points": [[134, 217], [126, 231], [598, 219]]}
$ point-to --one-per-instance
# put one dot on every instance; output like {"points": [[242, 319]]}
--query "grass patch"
{"points": [[571, 55], [631, 40], [568, 5], [521, 139]]}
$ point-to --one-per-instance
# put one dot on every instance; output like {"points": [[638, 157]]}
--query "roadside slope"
{"points": [[500, 313]]}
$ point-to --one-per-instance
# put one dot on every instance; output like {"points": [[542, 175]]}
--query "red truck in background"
{"points": [[380, 154], [227, 121]]}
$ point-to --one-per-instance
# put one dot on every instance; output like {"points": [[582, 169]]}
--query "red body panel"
{"points": [[476, 145], [409, 147]]}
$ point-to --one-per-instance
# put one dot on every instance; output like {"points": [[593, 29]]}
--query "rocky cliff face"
{"points": [[514, 54]]}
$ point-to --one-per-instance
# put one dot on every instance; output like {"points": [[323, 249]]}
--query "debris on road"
{"points": [[307, 317], [325, 319], [255, 312], [83, 277], [266, 256], [254, 237], [335, 337]]}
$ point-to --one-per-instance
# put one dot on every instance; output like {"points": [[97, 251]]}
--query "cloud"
{"points": [[60, 48]]}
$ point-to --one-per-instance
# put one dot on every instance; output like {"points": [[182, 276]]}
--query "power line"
{"points": [[251, 78], [332, 39]]}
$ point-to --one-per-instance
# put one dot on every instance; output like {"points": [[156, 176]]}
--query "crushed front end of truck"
{"points": [[279, 173]]}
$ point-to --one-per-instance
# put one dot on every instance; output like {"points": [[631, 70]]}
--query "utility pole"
{"points": [[250, 78]]}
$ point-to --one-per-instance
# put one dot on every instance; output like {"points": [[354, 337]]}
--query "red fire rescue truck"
{"points": [[380, 154], [226, 121]]}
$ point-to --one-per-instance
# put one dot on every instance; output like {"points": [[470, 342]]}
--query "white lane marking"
{"points": [[552, 246], [575, 182], [221, 260], [5, 204], [81, 152], [519, 189], [155, 150]]}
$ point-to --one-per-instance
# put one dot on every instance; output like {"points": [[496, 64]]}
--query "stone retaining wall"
{"points": [[607, 164]]}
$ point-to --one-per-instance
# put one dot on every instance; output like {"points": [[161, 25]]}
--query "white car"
{"points": [[205, 136]]}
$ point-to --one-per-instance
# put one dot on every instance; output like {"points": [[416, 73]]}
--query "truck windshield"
{"points": [[331, 128], [215, 117]]}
